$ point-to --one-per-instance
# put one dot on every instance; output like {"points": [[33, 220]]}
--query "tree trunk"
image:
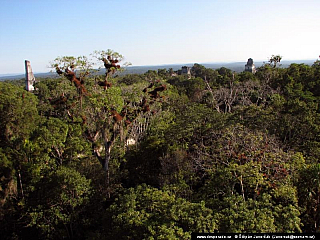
{"points": [[105, 162], [242, 188], [20, 186]]}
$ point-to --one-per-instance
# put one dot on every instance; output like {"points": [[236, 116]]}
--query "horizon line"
{"points": [[168, 64]]}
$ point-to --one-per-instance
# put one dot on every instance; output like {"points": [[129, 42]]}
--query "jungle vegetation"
{"points": [[159, 155]]}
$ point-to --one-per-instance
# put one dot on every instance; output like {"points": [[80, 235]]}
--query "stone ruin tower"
{"points": [[250, 67], [30, 79], [185, 70]]}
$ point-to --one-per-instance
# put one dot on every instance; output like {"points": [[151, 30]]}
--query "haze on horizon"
{"points": [[157, 32]]}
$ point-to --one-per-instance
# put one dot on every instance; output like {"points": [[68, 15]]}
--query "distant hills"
{"points": [[234, 66]]}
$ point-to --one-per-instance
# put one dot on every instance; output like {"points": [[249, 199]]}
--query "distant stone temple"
{"points": [[30, 79], [250, 67], [185, 70]]}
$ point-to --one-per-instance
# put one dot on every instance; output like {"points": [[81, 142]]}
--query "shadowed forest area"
{"points": [[159, 155]]}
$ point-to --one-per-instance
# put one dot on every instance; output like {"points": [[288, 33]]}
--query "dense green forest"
{"points": [[160, 155]]}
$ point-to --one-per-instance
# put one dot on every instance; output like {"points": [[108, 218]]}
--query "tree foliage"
{"points": [[96, 155], [149, 213]]}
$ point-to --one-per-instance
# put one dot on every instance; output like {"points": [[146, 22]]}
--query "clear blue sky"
{"points": [[154, 32]]}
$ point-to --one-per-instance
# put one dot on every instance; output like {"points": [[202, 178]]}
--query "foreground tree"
{"points": [[109, 115]]}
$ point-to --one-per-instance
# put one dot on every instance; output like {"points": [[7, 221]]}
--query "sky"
{"points": [[157, 32]]}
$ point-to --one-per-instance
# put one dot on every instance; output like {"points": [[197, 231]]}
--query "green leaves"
{"points": [[19, 114], [149, 213], [81, 63], [69, 193], [309, 192], [241, 216]]}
